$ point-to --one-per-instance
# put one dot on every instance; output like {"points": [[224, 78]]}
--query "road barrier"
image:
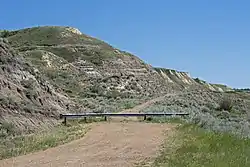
{"points": [[105, 115]]}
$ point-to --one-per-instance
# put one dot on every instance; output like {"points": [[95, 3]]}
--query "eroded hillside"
{"points": [[50, 70], [66, 51], [183, 79], [93, 64], [27, 99]]}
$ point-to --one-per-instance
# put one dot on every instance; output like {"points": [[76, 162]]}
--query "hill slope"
{"points": [[64, 48], [73, 72]]}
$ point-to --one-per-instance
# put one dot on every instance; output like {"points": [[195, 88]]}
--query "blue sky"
{"points": [[210, 39]]}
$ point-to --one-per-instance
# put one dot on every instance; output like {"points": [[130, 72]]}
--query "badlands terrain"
{"points": [[51, 70]]}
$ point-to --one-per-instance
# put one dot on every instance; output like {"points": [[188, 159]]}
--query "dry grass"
{"points": [[20, 145], [195, 147]]}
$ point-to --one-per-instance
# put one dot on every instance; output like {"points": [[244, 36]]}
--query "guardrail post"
{"points": [[85, 119], [105, 118], [145, 117], [65, 121]]}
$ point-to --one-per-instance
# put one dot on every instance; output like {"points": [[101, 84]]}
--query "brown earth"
{"points": [[105, 145]]}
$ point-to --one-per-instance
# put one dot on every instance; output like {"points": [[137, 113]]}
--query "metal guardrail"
{"points": [[105, 115]]}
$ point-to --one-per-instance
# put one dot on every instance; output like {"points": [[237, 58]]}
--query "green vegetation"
{"points": [[47, 37], [20, 145], [7, 128], [219, 112], [50, 36], [226, 104], [243, 90], [100, 104], [199, 81], [4, 33], [192, 146], [128, 104]]}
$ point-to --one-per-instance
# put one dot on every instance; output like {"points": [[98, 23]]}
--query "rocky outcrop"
{"points": [[176, 77], [185, 80]]}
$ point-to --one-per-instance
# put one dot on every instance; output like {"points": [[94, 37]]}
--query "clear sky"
{"points": [[209, 39]]}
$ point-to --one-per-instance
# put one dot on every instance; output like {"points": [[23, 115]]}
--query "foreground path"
{"points": [[105, 145]]}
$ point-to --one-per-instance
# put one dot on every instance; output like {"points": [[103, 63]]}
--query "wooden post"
{"points": [[145, 117], [85, 119], [65, 121], [105, 118]]}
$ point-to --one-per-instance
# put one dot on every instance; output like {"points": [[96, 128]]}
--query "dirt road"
{"points": [[140, 107], [105, 145], [109, 144]]}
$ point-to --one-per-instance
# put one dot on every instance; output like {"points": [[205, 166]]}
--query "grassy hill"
{"points": [[49, 36]]}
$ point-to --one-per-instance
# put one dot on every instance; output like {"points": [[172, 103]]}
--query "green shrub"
{"points": [[226, 104], [4, 101], [113, 94], [7, 128], [51, 74], [4, 34], [197, 80], [8, 101], [31, 94], [205, 109], [128, 105], [97, 89], [28, 83]]}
